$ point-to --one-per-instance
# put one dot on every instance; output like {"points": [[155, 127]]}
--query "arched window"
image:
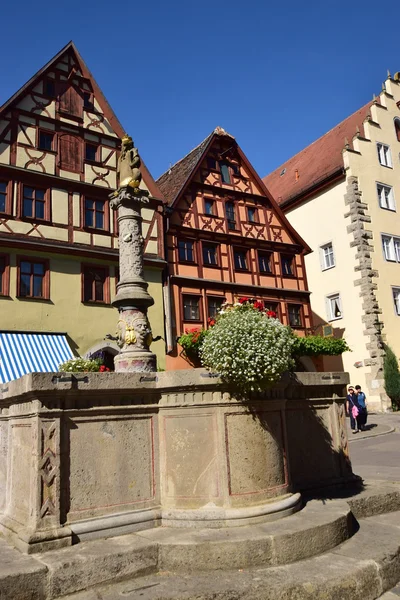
{"points": [[397, 127]]}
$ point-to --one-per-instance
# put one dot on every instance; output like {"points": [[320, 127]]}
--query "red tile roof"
{"points": [[317, 162]]}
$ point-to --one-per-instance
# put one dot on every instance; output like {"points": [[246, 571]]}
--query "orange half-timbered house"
{"points": [[59, 144], [227, 238]]}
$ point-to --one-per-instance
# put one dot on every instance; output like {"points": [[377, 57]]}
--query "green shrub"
{"points": [[391, 376], [316, 345]]}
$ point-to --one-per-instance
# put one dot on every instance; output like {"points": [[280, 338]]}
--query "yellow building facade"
{"points": [[342, 194], [59, 145]]}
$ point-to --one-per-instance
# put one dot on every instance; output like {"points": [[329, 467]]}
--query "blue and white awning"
{"points": [[22, 353]]}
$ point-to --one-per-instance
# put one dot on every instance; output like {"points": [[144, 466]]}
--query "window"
{"points": [[264, 262], [391, 248], [385, 195], [33, 203], [91, 152], [70, 100], [210, 256], [46, 140], [230, 215], [294, 315], [95, 213], [211, 164], [87, 100], [334, 307], [32, 281], [185, 251], [327, 256], [49, 88], [287, 266], [397, 128], [209, 207], [252, 214], [95, 280], [191, 308], [240, 259], [384, 155], [271, 307], [225, 173], [3, 275], [396, 300], [3, 197], [214, 305]]}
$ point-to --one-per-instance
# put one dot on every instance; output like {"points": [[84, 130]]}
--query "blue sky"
{"points": [[275, 75]]}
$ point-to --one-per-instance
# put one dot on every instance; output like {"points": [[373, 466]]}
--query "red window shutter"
{"points": [[70, 100], [70, 153]]}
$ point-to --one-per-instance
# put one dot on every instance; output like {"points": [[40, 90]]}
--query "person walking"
{"points": [[352, 409], [362, 408]]}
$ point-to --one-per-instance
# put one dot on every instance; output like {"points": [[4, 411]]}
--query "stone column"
{"points": [[132, 299]]}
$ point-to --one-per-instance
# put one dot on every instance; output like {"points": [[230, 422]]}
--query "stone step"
{"points": [[360, 569], [21, 576]]}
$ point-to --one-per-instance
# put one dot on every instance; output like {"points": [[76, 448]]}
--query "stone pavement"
{"points": [[375, 453]]}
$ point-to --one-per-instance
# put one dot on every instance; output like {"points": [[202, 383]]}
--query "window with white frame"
{"points": [[385, 195], [384, 155], [334, 307], [327, 256], [396, 300], [391, 248]]}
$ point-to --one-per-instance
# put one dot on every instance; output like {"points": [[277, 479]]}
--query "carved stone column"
{"points": [[132, 299]]}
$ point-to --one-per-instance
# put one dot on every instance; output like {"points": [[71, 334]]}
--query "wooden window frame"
{"points": [[228, 221], [302, 321], [211, 297], [217, 254], [391, 198], [384, 155], [41, 130], [328, 302], [293, 258], [257, 216], [225, 162], [200, 300], [46, 277], [8, 204], [213, 205], [78, 166], [106, 214], [106, 284], [246, 251], [96, 160], [90, 104], [183, 261], [5, 276], [278, 307], [47, 204], [270, 262]]}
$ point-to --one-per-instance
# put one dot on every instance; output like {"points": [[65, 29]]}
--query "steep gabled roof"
{"points": [[174, 181], [317, 162], [109, 113]]}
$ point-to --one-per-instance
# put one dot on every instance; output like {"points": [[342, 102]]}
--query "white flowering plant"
{"points": [[83, 365], [247, 345]]}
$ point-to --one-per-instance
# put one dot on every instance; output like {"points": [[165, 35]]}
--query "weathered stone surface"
{"points": [[375, 500], [93, 563], [21, 577]]}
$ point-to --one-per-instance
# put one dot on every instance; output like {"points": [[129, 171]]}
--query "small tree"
{"points": [[391, 375]]}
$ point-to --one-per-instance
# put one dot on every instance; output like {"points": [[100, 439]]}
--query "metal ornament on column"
{"points": [[132, 299]]}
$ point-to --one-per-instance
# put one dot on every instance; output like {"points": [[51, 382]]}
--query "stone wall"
{"points": [[100, 454]]}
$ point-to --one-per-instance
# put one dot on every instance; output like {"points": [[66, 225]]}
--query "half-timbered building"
{"points": [[227, 238], [59, 144]]}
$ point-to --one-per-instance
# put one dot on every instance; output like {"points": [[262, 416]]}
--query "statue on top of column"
{"points": [[128, 169]]}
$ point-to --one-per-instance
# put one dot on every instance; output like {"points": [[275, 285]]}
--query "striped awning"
{"points": [[22, 353]]}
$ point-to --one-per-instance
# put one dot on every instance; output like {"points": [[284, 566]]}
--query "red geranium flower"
{"points": [[271, 313], [102, 369], [211, 321], [259, 305], [243, 299]]}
